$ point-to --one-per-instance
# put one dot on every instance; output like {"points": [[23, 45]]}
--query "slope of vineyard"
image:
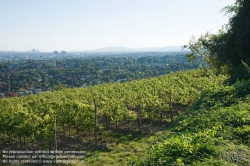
{"points": [[214, 131], [32, 119]]}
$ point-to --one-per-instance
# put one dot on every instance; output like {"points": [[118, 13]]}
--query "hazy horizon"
{"points": [[49, 25], [120, 49]]}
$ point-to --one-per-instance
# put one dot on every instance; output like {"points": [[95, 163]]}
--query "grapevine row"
{"points": [[32, 117]]}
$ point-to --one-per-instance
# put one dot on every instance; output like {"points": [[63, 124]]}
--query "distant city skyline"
{"points": [[114, 49], [49, 25]]}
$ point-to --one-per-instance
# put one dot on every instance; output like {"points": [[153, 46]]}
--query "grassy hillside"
{"points": [[214, 131]]}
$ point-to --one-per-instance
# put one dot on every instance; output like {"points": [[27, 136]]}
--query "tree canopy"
{"points": [[56, 52], [230, 47], [63, 52]]}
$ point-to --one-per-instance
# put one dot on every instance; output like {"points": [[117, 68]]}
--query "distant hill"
{"points": [[127, 49]]}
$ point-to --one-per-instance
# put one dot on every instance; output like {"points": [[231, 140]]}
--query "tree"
{"points": [[209, 47], [56, 52], [63, 52], [230, 46]]}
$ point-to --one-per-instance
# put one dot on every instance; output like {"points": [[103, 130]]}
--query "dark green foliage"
{"points": [[230, 46], [238, 41]]}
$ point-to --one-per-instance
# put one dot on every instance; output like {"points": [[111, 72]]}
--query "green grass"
{"points": [[119, 154], [214, 131]]}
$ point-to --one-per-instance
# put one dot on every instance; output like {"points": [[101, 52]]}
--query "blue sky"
{"points": [[49, 25]]}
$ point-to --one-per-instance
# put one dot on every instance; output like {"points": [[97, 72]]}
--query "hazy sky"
{"points": [[49, 25]]}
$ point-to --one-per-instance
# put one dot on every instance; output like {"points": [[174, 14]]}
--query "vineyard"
{"points": [[31, 119]]}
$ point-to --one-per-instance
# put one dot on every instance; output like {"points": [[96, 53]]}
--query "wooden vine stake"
{"points": [[139, 115], [95, 122], [55, 137], [171, 108]]}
